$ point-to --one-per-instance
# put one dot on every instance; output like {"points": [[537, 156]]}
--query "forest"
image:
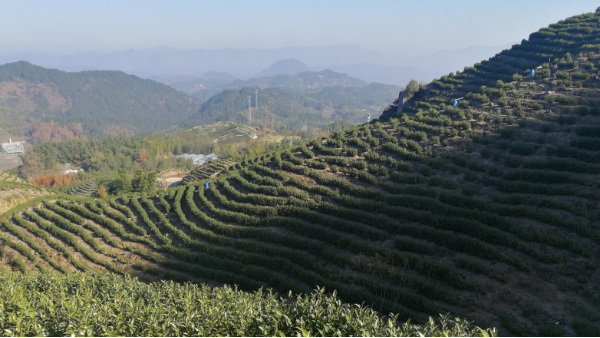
{"points": [[95, 99], [56, 105], [282, 108]]}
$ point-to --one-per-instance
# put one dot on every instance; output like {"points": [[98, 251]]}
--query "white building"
{"points": [[11, 147], [71, 170], [198, 159]]}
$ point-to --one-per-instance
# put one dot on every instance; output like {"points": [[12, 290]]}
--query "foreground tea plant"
{"points": [[94, 304]]}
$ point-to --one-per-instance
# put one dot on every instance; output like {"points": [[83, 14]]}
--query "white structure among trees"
{"points": [[12, 148], [198, 159]]}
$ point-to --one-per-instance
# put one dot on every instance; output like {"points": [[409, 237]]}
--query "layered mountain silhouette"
{"points": [[284, 67]]}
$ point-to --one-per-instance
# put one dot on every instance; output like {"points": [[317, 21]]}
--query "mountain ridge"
{"points": [[97, 99], [283, 67]]}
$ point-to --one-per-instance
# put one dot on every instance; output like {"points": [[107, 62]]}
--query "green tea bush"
{"points": [[110, 305]]}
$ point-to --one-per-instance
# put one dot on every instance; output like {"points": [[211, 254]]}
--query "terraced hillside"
{"points": [[88, 188], [206, 171], [14, 191], [488, 209]]}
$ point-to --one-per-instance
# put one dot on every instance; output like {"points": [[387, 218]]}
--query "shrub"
{"points": [[566, 119], [358, 164], [478, 97], [536, 106], [508, 133], [521, 149], [580, 75], [352, 152], [545, 72], [220, 311], [412, 86]]}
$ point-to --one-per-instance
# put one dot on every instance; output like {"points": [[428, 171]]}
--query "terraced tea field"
{"points": [[207, 170], [487, 209]]}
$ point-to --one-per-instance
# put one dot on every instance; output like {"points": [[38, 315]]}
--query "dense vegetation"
{"points": [[104, 102], [149, 152], [284, 108], [487, 209], [54, 105], [109, 305]]}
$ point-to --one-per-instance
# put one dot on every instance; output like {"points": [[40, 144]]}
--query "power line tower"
{"points": [[249, 111], [256, 98]]}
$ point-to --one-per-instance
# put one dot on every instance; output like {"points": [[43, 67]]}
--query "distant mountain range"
{"points": [[204, 89], [107, 102], [284, 67], [169, 65], [164, 61]]}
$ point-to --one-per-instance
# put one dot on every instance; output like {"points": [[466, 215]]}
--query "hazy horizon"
{"points": [[383, 41], [390, 28]]}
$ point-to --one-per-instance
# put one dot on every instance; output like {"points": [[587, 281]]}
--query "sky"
{"points": [[390, 27]]}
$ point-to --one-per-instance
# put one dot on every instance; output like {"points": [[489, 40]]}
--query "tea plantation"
{"points": [[486, 208]]}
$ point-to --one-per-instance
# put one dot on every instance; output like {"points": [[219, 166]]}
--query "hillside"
{"points": [[298, 83], [487, 210], [104, 102], [14, 191], [279, 107]]}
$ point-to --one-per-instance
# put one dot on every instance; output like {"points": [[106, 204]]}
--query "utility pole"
{"points": [[256, 98], [249, 111]]}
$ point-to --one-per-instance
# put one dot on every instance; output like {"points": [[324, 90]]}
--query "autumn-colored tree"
{"points": [[52, 180], [142, 157], [51, 131], [102, 192]]}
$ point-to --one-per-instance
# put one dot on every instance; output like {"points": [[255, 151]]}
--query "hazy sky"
{"points": [[390, 27]]}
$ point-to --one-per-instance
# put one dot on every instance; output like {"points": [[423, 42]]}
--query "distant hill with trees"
{"points": [[281, 108], [299, 82], [103, 102]]}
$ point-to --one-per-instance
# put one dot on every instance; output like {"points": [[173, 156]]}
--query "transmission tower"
{"points": [[249, 111], [256, 98]]}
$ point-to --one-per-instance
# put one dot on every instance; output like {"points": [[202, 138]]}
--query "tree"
{"points": [[142, 157], [139, 182], [123, 183], [143, 181], [412, 87], [102, 192]]}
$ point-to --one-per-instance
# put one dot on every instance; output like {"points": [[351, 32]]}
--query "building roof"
{"points": [[199, 159], [13, 147]]}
